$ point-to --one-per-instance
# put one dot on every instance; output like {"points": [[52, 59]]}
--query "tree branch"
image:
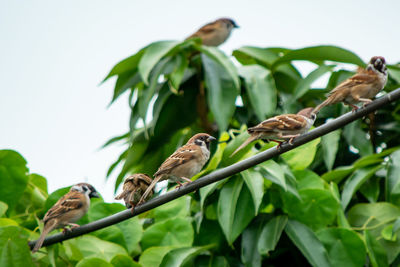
{"points": [[225, 172]]}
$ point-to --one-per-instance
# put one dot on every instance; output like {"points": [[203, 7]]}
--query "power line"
{"points": [[224, 172]]}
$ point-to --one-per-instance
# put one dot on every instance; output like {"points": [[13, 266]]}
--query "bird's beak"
{"points": [[236, 26], [94, 194], [211, 138]]}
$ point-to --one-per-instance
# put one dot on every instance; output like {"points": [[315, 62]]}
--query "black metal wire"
{"points": [[225, 172]]}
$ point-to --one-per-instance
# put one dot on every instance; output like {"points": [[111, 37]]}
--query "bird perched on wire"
{"points": [[361, 87], [283, 127], [67, 210], [215, 33], [133, 189], [185, 162]]}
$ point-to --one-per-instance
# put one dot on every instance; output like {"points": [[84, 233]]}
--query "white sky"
{"points": [[53, 55]]}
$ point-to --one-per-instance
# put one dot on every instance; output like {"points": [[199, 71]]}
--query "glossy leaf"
{"points": [[153, 256], [330, 146], [251, 55], [91, 246], [273, 172], [152, 55], [357, 138], [250, 236], [271, 234], [321, 53], [392, 180], [125, 65], [89, 262], [3, 208], [13, 178], [261, 90], [304, 85], [316, 209], [355, 181], [307, 242], [307, 179], [376, 252], [176, 208], [302, 156], [124, 261], [373, 214], [13, 247], [344, 246], [181, 256], [255, 183], [221, 91], [172, 232], [235, 208]]}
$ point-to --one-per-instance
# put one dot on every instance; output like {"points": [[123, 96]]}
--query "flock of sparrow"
{"points": [[189, 159]]}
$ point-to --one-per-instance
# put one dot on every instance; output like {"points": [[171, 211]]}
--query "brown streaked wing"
{"points": [[359, 78], [70, 201], [281, 122], [181, 156]]}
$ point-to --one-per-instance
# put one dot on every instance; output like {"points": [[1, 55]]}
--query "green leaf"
{"points": [[124, 82], [7, 222], [218, 56], [125, 65], [357, 138], [176, 208], [90, 262], [376, 253], [392, 182], [255, 183], [176, 76], [153, 256], [271, 233], [127, 233], [307, 242], [388, 234], [355, 181], [344, 246], [261, 90], [91, 246], [3, 208], [182, 256], [316, 209], [302, 156], [13, 247], [307, 179], [13, 177], [330, 146], [152, 55], [255, 55], [321, 53], [249, 254], [304, 85], [221, 92], [172, 232], [273, 172], [235, 208], [124, 261], [372, 215], [338, 174], [396, 226]]}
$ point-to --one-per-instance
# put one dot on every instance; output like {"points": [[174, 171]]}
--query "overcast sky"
{"points": [[53, 55]]}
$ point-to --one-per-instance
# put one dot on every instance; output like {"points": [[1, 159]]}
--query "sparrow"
{"points": [[283, 127], [185, 162], [215, 33], [361, 87], [133, 189], [67, 210]]}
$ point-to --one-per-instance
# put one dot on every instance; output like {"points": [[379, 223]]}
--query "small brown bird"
{"points": [[283, 127], [133, 189], [361, 87], [185, 162], [215, 33], [67, 210]]}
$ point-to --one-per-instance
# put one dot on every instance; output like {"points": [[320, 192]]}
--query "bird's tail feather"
{"points": [[47, 229], [245, 143], [150, 188]]}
